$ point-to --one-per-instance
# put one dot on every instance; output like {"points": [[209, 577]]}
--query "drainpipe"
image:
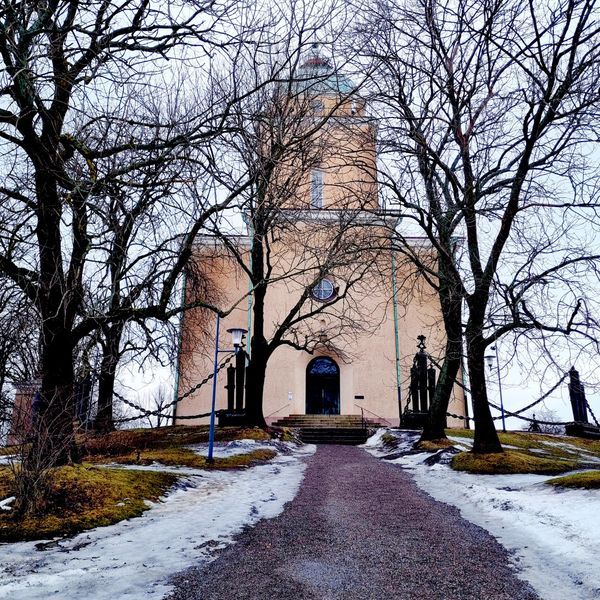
{"points": [[396, 332], [179, 344], [250, 288]]}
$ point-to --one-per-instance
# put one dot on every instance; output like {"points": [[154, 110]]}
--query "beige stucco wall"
{"points": [[365, 355]]}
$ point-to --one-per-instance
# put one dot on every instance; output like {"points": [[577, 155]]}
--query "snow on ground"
{"points": [[554, 535], [7, 459], [225, 449], [134, 559]]}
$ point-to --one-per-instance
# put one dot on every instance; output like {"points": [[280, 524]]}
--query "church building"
{"points": [[336, 311]]}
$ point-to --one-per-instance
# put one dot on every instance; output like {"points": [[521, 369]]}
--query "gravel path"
{"points": [[359, 529]]}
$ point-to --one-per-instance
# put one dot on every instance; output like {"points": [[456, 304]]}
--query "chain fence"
{"points": [[518, 413], [592, 413], [162, 411]]}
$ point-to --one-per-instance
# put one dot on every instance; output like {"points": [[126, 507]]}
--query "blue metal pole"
{"points": [[211, 434]]}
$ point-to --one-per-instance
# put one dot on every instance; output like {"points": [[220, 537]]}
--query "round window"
{"points": [[324, 290]]}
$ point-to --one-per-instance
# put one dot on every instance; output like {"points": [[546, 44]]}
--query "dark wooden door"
{"points": [[322, 387]]}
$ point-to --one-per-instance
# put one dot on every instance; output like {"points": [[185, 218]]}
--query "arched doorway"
{"points": [[322, 387]]}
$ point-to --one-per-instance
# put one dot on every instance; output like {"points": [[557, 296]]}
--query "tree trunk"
{"points": [[259, 348], [486, 437], [435, 426], [255, 385], [451, 303], [55, 411], [54, 440], [106, 378]]}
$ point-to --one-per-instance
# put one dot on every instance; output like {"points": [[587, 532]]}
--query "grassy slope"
{"points": [[589, 480], [186, 458], [81, 497], [84, 496], [531, 453], [509, 461], [540, 441]]}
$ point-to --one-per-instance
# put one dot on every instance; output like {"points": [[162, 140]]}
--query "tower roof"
{"points": [[318, 76]]}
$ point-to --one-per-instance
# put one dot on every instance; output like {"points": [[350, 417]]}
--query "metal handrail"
{"points": [[362, 416], [276, 411], [362, 408]]}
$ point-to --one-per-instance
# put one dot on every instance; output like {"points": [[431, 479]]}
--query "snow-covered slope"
{"points": [[134, 559], [554, 534]]}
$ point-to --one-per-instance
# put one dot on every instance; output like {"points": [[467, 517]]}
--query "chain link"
{"points": [[541, 399], [144, 412], [592, 413], [516, 414]]}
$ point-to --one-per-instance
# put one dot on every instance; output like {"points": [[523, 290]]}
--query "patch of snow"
{"points": [[554, 535], [7, 459], [575, 450], [461, 442], [6, 503], [236, 447], [136, 558], [404, 439], [375, 443], [563, 446]]}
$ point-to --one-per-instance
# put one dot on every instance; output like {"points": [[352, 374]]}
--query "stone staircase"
{"points": [[329, 429]]}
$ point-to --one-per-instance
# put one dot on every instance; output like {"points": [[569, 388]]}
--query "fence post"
{"points": [[577, 397], [230, 387], [240, 376]]}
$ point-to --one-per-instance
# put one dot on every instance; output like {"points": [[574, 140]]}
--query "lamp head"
{"points": [[489, 358], [237, 333]]}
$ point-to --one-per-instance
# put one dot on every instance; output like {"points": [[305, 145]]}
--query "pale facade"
{"points": [[363, 307]]}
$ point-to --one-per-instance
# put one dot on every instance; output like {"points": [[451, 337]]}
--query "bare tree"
{"points": [[105, 108], [488, 113], [160, 402]]}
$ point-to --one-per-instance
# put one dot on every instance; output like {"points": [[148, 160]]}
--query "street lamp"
{"points": [[237, 333], [490, 361]]}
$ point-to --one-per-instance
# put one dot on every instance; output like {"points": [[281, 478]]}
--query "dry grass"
{"points": [[285, 434], [589, 480], [123, 442], [389, 441], [81, 497], [541, 442], [510, 461], [84, 496], [433, 445], [10, 450], [187, 458]]}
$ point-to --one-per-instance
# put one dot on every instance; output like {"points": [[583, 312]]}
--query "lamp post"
{"points": [[237, 333], [490, 361]]}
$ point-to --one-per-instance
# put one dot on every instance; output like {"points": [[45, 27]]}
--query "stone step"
{"points": [[332, 421], [323, 416], [325, 421], [320, 420]]}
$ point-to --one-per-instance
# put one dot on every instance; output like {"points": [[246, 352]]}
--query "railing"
{"points": [[362, 417], [379, 417], [276, 411]]}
